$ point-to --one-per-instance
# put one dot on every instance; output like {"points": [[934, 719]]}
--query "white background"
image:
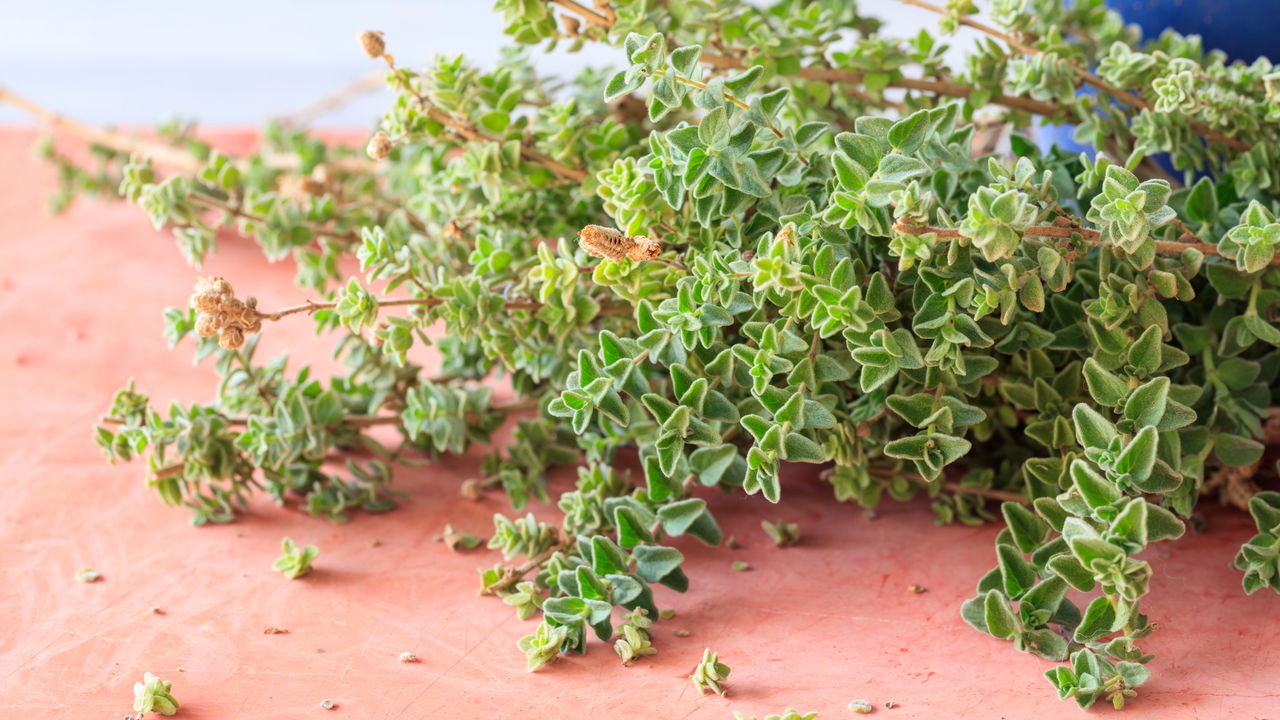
{"points": [[239, 62]]}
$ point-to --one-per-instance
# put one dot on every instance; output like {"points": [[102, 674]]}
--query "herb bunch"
{"points": [[772, 235]]}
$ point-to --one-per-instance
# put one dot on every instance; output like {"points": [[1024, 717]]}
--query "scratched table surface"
{"points": [[810, 627]]}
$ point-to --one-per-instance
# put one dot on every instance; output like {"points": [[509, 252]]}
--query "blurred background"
{"points": [[241, 62]]}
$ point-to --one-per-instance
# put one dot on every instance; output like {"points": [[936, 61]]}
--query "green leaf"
{"points": [[799, 448], [900, 168], [1105, 387], [1028, 531], [1237, 451], [685, 60], [909, 133], [1069, 568], [1000, 620], [655, 562], [1139, 456], [631, 531], [1202, 202], [1098, 620], [1145, 353], [1093, 430], [676, 517], [1016, 573], [1096, 490], [1146, 404]]}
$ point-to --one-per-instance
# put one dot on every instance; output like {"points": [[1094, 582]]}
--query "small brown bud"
{"points": [[298, 189], [379, 146], [571, 25], [644, 248], [220, 286], [373, 44], [231, 338], [453, 231], [205, 326], [206, 302], [471, 489], [322, 174]]}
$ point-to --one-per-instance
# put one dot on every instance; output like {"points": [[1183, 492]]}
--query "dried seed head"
{"points": [[571, 25], [611, 244], [211, 294], [603, 242], [322, 174], [379, 146], [471, 489], [205, 326], [231, 338], [644, 248], [373, 44]]}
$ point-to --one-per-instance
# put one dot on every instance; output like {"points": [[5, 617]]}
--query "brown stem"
{"points": [[311, 306], [161, 153], [364, 421], [955, 487], [733, 99], [515, 574], [939, 87], [833, 75], [1164, 247], [1082, 73], [591, 16], [466, 131], [346, 238]]}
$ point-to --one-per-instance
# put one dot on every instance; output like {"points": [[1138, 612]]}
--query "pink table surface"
{"points": [[810, 627]]}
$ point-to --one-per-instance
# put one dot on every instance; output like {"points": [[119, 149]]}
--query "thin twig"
{"points": [[513, 575], [159, 152], [468, 132], [955, 487], [362, 85], [311, 306], [1164, 247], [853, 77], [346, 238], [364, 421]]}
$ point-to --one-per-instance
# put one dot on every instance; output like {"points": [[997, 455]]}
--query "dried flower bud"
{"points": [[611, 244], [298, 189], [471, 489], [373, 44], [379, 146], [322, 174], [571, 25], [231, 338], [205, 326], [644, 248], [603, 242], [453, 231]]}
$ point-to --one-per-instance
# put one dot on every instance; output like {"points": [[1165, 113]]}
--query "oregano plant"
{"points": [[770, 234]]}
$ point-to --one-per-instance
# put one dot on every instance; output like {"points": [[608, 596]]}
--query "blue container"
{"points": [[1243, 29]]}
